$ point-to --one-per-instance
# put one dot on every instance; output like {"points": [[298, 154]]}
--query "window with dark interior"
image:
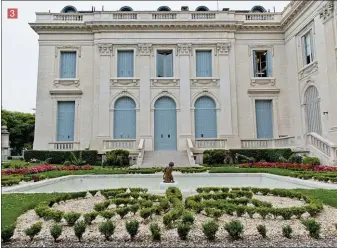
{"points": [[262, 63], [307, 44], [164, 63]]}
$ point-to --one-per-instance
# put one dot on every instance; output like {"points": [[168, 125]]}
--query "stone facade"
{"points": [[231, 36]]}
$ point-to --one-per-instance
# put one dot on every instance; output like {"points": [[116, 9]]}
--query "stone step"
{"points": [[163, 158]]}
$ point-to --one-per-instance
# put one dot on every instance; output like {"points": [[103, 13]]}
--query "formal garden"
{"points": [[211, 216]]}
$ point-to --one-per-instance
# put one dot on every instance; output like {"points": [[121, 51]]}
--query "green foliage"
{"points": [[294, 158], [155, 232], [134, 208], [56, 231], [77, 159], [187, 217], [269, 155], [183, 230], [107, 229], [66, 163], [132, 228], [33, 230], [145, 213], [55, 215], [7, 233], [107, 214], [21, 129], [101, 206], [71, 217], [313, 227], [79, 229], [311, 160], [164, 204], [117, 158], [262, 230], [90, 217], [287, 231], [122, 211], [234, 229], [209, 229], [215, 156], [59, 157]]}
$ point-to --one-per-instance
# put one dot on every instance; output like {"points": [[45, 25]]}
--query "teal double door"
{"points": [[165, 124]]}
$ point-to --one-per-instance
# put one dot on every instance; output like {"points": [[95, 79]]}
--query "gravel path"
{"points": [[280, 202], [92, 237]]}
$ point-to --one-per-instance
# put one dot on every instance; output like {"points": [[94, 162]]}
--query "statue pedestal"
{"points": [[167, 185]]}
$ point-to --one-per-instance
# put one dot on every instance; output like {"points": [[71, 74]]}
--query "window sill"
{"points": [[205, 81], [308, 70], [265, 81], [66, 82], [124, 81], [164, 81]]}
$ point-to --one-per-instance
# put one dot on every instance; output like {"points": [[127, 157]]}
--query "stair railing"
{"points": [[323, 145], [189, 150], [141, 149]]}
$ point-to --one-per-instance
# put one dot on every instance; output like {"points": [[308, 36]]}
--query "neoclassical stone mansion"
{"points": [[188, 80]]}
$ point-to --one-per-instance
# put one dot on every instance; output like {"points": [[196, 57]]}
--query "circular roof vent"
{"points": [[69, 9], [202, 8], [164, 8], [258, 9], [126, 8]]}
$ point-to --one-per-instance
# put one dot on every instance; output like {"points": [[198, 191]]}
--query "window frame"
{"points": [[301, 58], [57, 68], [60, 67], [212, 50], [304, 50], [115, 54], [173, 64]]}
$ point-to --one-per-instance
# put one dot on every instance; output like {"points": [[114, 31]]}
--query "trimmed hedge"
{"points": [[269, 155], [117, 158], [59, 157], [215, 156]]}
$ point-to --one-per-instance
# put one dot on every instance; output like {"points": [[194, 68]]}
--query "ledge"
{"points": [[66, 82], [308, 70], [124, 81], [262, 81], [164, 81], [66, 92], [263, 91], [205, 81]]}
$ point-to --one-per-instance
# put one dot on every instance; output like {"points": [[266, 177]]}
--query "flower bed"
{"points": [[43, 168], [292, 166]]}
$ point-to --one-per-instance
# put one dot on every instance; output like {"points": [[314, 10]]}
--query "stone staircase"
{"points": [[163, 158]]}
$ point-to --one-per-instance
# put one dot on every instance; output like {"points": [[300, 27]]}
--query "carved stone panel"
{"points": [[307, 71], [124, 81], [159, 82], [326, 12], [144, 49], [184, 49], [205, 82], [105, 49], [223, 48]]}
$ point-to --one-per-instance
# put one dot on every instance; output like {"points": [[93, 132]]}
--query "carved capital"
{"points": [[184, 49], [144, 49], [223, 48], [105, 49], [326, 12]]}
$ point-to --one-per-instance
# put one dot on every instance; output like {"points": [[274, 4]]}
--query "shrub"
{"points": [[287, 231], [71, 217], [209, 229], [122, 211], [132, 228], [294, 158], [155, 232], [79, 229], [262, 230], [77, 160], [55, 215], [164, 204], [145, 213], [183, 230], [101, 206], [89, 217], [117, 158], [134, 208], [67, 163], [9, 157], [7, 233], [188, 217], [269, 155], [59, 157], [311, 160], [56, 231], [33, 230], [313, 227], [234, 229], [215, 156], [107, 214], [107, 229]]}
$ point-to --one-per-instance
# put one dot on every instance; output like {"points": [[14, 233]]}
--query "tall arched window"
{"points": [[312, 110], [205, 118], [124, 118]]}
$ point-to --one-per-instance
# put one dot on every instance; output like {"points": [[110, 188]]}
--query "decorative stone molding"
{"points": [[300, 5], [67, 48], [105, 49], [260, 47], [124, 92], [223, 49], [204, 92], [205, 82], [124, 81], [165, 92], [66, 92], [164, 82], [144, 49], [326, 12], [66, 82], [308, 70], [265, 81], [263, 91], [184, 49]]}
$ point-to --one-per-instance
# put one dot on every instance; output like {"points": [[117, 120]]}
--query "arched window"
{"points": [[69, 9], [164, 8], [205, 118], [202, 8], [312, 110], [126, 8], [258, 9], [124, 118]]}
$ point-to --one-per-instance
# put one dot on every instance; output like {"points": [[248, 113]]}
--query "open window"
{"points": [[262, 63]]}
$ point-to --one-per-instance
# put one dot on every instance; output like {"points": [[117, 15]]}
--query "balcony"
{"points": [[126, 144], [208, 143], [64, 145]]}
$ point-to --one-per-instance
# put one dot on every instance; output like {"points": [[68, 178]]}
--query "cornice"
{"points": [[294, 12]]}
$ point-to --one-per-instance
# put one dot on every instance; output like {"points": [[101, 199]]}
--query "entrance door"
{"points": [[65, 121], [205, 118], [264, 119], [312, 110], [165, 124]]}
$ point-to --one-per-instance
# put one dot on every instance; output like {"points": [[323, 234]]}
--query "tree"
{"points": [[21, 129]]}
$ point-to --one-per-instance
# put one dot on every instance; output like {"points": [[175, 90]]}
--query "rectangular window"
{"points": [[262, 63], [68, 65], [65, 121], [165, 63], [307, 45], [264, 119], [204, 63], [125, 64]]}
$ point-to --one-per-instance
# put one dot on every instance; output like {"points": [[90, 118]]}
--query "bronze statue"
{"points": [[168, 178]]}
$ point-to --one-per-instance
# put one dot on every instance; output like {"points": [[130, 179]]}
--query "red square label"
{"points": [[12, 13]]}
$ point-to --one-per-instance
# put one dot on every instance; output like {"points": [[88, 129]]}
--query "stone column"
{"points": [[225, 90], [105, 51], [184, 52], [144, 53]]}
